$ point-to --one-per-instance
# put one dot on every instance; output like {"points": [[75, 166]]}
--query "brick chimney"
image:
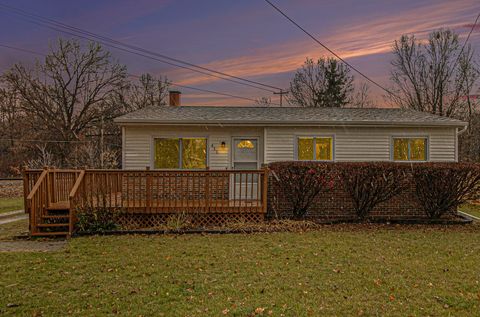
{"points": [[174, 97]]}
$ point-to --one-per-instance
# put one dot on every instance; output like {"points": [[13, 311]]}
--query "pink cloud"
{"points": [[349, 41]]}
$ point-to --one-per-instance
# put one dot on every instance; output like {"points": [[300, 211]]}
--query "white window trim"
{"points": [[331, 136], [152, 151], [427, 147]]}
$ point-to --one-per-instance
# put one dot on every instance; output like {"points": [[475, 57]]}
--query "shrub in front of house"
{"points": [[301, 182], [372, 183], [443, 187], [95, 220]]}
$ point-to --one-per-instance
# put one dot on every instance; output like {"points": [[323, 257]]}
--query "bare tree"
{"points": [[10, 115], [324, 83], [69, 92], [264, 102], [362, 97], [433, 76], [148, 91], [42, 158]]}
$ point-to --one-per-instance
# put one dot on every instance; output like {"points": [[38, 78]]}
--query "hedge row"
{"points": [[439, 187]]}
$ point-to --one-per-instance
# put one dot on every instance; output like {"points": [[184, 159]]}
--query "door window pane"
{"points": [[323, 148], [305, 149], [245, 150], [167, 153], [194, 153]]}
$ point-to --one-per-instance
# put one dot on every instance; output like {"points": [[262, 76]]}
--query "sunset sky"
{"points": [[244, 38]]}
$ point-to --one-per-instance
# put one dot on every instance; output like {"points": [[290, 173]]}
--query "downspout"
{"points": [[458, 132]]}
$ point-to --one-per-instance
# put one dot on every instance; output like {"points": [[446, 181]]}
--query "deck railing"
{"points": [[44, 188], [148, 191], [156, 191]]}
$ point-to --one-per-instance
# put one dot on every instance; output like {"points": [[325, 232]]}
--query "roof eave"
{"points": [[459, 124]]}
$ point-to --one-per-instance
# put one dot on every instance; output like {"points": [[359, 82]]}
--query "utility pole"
{"points": [[281, 93]]}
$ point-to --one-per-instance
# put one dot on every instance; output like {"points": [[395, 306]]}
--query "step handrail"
{"points": [[77, 184], [37, 184], [35, 204], [71, 199]]}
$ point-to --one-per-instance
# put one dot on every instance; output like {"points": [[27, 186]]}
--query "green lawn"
{"points": [[471, 209], [339, 270], [10, 204]]}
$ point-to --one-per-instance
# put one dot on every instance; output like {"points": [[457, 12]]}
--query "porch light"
{"points": [[222, 148]]}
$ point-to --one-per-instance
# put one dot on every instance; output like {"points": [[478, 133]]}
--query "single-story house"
{"points": [[203, 164], [197, 137]]}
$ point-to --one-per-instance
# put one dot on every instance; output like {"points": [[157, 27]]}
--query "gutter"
{"points": [[462, 125]]}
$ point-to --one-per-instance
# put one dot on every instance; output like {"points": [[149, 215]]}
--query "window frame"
{"points": [[427, 148], [180, 137], [315, 136]]}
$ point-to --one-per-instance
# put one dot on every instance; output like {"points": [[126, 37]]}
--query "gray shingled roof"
{"points": [[193, 115]]}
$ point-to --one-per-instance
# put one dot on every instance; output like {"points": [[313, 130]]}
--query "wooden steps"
{"points": [[52, 225], [56, 217], [55, 221]]}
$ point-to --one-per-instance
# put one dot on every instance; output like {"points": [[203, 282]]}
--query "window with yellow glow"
{"points": [[245, 144], [409, 149], [315, 148], [184, 153]]}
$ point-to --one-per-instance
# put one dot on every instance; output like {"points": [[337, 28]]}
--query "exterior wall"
{"points": [[336, 205], [350, 144], [138, 143], [359, 144]]}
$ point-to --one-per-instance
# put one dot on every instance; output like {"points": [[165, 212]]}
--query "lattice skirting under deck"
{"points": [[195, 220]]}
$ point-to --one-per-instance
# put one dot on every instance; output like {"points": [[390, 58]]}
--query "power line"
{"points": [[196, 68], [328, 49], [139, 54], [21, 50], [137, 76], [201, 89], [53, 141], [466, 40]]}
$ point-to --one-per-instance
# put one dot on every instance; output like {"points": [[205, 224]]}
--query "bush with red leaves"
{"points": [[372, 183], [301, 182], [442, 187]]}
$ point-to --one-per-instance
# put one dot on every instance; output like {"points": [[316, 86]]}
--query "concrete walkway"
{"points": [[469, 215], [12, 219], [11, 216], [11, 213]]}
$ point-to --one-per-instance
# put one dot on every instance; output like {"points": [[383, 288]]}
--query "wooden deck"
{"points": [[227, 192]]}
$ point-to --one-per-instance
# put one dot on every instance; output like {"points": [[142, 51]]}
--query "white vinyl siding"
{"points": [[138, 143], [359, 144], [350, 144]]}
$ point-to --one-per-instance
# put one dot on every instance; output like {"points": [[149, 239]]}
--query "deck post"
{"points": [[148, 189], [207, 190], [265, 189], [47, 201]]}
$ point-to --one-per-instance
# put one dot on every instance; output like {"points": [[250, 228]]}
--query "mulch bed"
{"points": [[299, 226]]}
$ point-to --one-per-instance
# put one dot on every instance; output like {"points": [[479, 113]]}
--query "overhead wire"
{"points": [[88, 35]]}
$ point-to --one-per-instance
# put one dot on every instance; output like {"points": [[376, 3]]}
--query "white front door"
{"points": [[245, 157]]}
